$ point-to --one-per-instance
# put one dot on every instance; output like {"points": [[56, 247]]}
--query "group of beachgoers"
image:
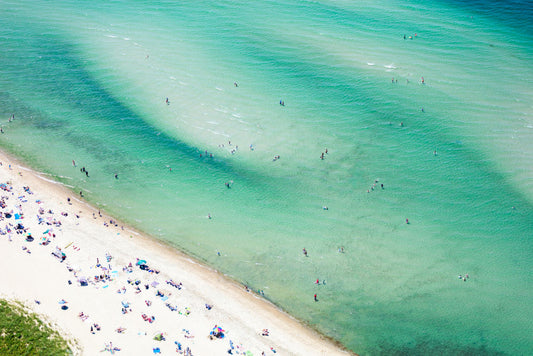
{"points": [[142, 290]]}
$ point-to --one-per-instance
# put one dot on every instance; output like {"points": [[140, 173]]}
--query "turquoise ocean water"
{"points": [[87, 81]]}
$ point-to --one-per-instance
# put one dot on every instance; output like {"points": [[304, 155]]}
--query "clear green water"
{"points": [[87, 81]]}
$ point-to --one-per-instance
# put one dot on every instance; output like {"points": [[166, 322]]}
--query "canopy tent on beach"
{"points": [[83, 281]]}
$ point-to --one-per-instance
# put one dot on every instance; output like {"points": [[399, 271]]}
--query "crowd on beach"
{"points": [[138, 300]]}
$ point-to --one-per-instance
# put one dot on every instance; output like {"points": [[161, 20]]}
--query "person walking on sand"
{"points": [[305, 252]]}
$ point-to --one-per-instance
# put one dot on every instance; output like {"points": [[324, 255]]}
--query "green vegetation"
{"points": [[23, 333]]}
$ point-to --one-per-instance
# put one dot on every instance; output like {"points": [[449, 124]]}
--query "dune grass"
{"points": [[23, 333]]}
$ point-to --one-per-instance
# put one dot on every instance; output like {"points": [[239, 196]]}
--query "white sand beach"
{"points": [[123, 307]]}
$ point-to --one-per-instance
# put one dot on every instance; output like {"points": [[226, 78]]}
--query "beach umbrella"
{"points": [[218, 332], [159, 336], [218, 329], [141, 262]]}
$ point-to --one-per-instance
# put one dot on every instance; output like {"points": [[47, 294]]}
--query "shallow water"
{"points": [[88, 83]]}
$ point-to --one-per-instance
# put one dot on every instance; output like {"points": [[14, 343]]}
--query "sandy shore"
{"points": [[174, 296]]}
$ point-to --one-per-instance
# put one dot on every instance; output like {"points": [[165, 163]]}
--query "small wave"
{"points": [[126, 39], [219, 89], [218, 133], [370, 63], [111, 36], [390, 66], [243, 122], [48, 180]]}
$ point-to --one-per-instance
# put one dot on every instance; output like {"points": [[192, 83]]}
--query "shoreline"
{"points": [[85, 240]]}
